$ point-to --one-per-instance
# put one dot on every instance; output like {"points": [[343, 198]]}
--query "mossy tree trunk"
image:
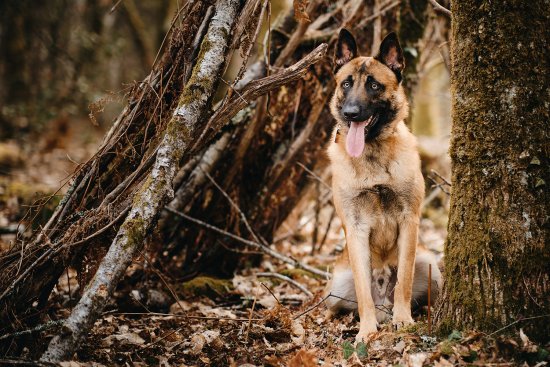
{"points": [[497, 257]]}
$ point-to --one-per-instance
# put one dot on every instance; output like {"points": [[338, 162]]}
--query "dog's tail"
{"points": [[425, 258]]}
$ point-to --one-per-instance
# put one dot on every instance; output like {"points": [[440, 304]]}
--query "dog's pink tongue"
{"points": [[355, 141]]}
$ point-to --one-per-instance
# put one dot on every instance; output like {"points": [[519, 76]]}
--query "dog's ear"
{"points": [[346, 49], [391, 55]]}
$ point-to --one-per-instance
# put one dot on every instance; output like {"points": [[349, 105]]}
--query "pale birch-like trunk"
{"points": [[157, 188]]}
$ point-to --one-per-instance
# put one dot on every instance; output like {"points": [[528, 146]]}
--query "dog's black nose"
{"points": [[351, 112]]}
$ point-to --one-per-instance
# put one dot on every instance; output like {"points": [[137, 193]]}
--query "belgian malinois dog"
{"points": [[378, 189]]}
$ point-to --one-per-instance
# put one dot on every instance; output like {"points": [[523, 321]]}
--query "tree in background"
{"points": [[497, 257]]}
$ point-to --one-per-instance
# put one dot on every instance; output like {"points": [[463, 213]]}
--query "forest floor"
{"points": [[253, 319]]}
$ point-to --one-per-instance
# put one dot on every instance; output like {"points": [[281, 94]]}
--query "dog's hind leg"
{"points": [[340, 290]]}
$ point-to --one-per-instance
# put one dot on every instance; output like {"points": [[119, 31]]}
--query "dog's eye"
{"points": [[375, 85], [346, 84]]}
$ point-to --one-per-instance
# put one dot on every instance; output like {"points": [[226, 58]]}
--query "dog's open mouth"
{"points": [[355, 141]]}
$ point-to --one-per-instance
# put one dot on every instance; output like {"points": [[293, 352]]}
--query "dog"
{"points": [[377, 188]]}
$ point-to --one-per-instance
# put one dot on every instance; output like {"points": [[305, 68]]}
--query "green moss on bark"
{"points": [[135, 229], [196, 86]]}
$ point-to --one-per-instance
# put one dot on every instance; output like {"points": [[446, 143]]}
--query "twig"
{"points": [[439, 185], [314, 175], [517, 321], [312, 307], [113, 8], [317, 216], [327, 230], [378, 307], [159, 274], [429, 298], [266, 249], [438, 7], [441, 177], [376, 29], [286, 279], [234, 205], [250, 318], [40, 327], [271, 292]]}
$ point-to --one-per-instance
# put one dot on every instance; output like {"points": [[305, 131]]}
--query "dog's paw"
{"points": [[366, 335], [401, 322], [329, 315]]}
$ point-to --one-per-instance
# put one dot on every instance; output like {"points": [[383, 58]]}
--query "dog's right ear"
{"points": [[346, 49]]}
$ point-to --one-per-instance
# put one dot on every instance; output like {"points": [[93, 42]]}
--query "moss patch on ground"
{"points": [[206, 286]]}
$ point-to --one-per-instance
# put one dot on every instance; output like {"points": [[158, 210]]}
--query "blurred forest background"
{"points": [[193, 296]]}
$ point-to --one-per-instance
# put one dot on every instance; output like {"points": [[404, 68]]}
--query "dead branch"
{"points": [[286, 279], [41, 327], [157, 187]]}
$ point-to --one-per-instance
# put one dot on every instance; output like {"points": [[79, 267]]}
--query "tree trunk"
{"points": [[497, 257]]}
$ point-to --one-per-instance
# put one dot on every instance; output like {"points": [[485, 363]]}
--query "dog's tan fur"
{"points": [[377, 197]]}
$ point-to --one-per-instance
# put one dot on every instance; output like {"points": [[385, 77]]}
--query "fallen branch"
{"points": [[35, 329], [286, 279], [157, 188]]}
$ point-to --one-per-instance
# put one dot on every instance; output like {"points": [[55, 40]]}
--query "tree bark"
{"points": [[497, 256]]}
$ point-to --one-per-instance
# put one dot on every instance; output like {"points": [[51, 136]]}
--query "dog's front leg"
{"points": [[359, 257], [406, 244]]}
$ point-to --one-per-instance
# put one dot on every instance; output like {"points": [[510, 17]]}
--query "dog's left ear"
{"points": [[391, 55], [346, 49]]}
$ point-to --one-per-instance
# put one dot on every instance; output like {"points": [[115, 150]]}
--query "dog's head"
{"points": [[369, 98]]}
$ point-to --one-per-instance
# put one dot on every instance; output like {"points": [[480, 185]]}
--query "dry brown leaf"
{"points": [[124, 339], [303, 358], [300, 7]]}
